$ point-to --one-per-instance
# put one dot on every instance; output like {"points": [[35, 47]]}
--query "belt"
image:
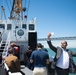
{"points": [[61, 68]]}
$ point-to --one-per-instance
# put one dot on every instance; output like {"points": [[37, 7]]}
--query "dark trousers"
{"points": [[60, 71]]}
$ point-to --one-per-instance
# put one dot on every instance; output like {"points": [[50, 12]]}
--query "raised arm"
{"points": [[50, 44]]}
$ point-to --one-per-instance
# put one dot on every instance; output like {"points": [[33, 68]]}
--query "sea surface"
{"points": [[52, 54]]}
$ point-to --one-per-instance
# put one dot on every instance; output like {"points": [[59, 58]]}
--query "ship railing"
{"points": [[9, 72]]}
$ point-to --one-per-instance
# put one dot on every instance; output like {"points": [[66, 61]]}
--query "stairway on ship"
{"points": [[4, 48]]}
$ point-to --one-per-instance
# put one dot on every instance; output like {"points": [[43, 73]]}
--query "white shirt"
{"points": [[63, 61]]}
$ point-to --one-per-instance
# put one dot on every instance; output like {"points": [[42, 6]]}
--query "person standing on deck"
{"points": [[62, 58], [27, 56], [40, 58], [13, 62]]}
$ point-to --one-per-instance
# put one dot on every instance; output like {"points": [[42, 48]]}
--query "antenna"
{"points": [[4, 12]]}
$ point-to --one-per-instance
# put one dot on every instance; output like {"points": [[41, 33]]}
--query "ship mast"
{"points": [[16, 10]]}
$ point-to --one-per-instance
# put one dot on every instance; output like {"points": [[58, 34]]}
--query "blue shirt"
{"points": [[39, 57]]}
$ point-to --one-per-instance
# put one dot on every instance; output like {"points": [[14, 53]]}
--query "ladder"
{"points": [[4, 46]]}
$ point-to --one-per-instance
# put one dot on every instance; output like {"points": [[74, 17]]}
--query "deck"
{"points": [[26, 70]]}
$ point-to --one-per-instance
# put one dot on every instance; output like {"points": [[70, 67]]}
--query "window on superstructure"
{"points": [[24, 26], [31, 27], [9, 26], [16, 27], [2, 26]]}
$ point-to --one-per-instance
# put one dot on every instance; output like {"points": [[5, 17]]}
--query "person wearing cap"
{"points": [[62, 58], [40, 58]]}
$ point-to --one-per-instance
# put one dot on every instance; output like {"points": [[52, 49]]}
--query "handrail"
{"points": [[7, 44], [9, 72]]}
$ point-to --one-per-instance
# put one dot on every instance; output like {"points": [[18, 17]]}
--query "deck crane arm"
{"points": [[16, 9]]}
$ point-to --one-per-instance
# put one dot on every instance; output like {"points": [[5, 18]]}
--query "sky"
{"points": [[58, 16]]}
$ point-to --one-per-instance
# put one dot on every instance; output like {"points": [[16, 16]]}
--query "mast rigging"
{"points": [[16, 9]]}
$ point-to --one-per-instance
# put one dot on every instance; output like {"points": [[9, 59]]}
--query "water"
{"points": [[52, 54]]}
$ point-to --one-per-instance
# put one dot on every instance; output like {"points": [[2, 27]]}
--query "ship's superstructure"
{"points": [[17, 29]]}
